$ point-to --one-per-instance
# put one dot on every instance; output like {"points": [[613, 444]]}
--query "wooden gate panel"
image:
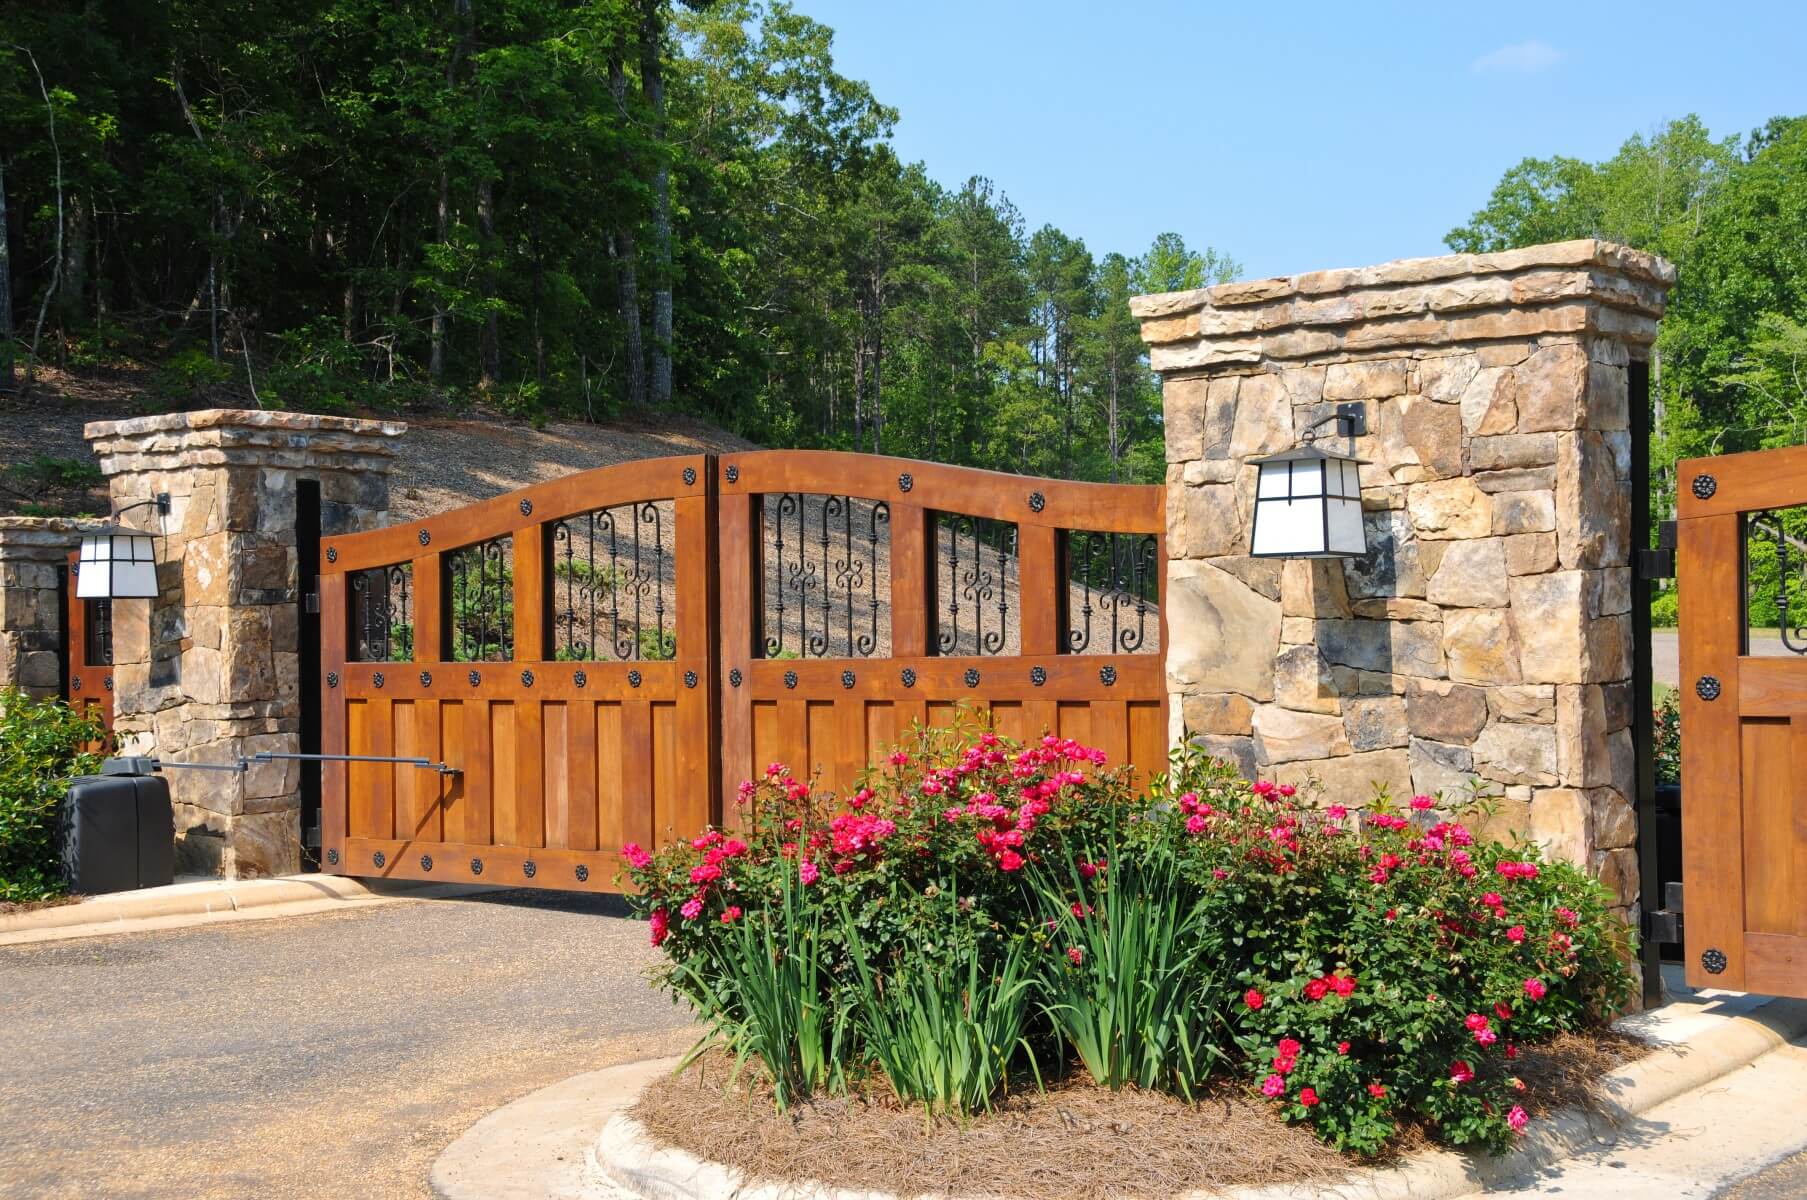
{"points": [[1744, 739], [87, 651]]}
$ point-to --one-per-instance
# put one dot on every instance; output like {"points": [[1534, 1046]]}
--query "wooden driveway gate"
{"points": [[1744, 722], [601, 659]]}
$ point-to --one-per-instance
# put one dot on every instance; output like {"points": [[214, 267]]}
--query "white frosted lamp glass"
{"points": [[1308, 504]]}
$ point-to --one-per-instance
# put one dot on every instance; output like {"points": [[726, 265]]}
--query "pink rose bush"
{"points": [[1361, 965]]}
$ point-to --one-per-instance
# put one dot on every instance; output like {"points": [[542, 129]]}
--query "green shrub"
{"points": [[1666, 729], [1361, 970], [41, 748], [1665, 609]]}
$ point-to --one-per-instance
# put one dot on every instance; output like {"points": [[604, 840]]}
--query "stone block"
{"points": [[1489, 403], [1396, 609], [1552, 622], [1393, 564], [1615, 820], [1593, 512], [1583, 754], [1313, 588], [1237, 751], [259, 845], [1471, 575], [1441, 769], [1562, 823], [1530, 553], [1505, 820], [1302, 681], [1264, 418], [1375, 722], [1617, 871], [1524, 512], [1220, 713], [1482, 645], [1552, 389], [1203, 522], [1297, 631], [1353, 779], [1372, 380], [1608, 396], [1391, 647], [1449, 509], [1432, 434], [1445, 379], [1512, 450], [1260, 574], [1443, 711], [1517, 753], [1516, 479], [1223, 633], [1531, 703], [1284, 735]]}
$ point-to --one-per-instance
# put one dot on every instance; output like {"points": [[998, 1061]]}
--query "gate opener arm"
{"points": [[148, 766]]}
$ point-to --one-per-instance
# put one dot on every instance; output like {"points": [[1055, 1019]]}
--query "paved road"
{"points": [[330, 1055], [1665, 654], [1787, 1180]]}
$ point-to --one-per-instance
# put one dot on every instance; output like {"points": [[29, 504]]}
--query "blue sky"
{"points": [[1296, 136]]}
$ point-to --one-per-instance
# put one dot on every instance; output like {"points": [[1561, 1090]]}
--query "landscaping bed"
{"points": [[1075, 1140]]}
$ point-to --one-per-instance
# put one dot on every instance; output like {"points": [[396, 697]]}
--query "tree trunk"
{"points": [[621, 253], [489, 346], [70, 302], [436, 337], [652, 84], [6, 292]]}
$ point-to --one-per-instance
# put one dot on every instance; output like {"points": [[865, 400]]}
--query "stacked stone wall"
{"points": [[1486, 634], [34, 555]]}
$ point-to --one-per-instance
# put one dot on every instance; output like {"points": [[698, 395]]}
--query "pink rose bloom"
{"points": [[636, 857], [1010, 860], [1287, 789], [731, 914], [807, 873], [1344, 985], [1516, 933], [660, 922], [1423, 803], [1219, 873], [1377, 1090], [1076, 954], [1253, 998], [1475, 1021], [1460, 1071], [1336, 812], [1535, 989], [693, 908], [1195, 824], [1517, 1119], [1308, 1097], [1485, 1036], [1273, 1086], [1493, 899]]}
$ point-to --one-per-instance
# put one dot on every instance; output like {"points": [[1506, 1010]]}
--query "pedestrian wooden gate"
{"points": [[602, 658], [1744, 723], [87, 650]]}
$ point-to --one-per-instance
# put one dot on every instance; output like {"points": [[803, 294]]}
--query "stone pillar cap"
{"points": [[223, 419], [1563, 288]]}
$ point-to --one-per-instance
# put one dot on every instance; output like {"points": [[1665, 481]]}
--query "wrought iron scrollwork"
{"points": [[823, 579], [97, 633], [382, 613], [480, 585], [1776, 557], [976, 573], [1113, 581], [612, 569]]}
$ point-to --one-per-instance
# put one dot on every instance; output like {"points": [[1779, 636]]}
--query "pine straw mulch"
{"points": [[1075, 1142]]}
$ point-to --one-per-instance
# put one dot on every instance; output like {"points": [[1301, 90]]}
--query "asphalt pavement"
{"points": [[329, 1055]]}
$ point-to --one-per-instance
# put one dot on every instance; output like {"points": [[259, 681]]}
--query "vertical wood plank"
{"points": [[429, 609], [793, 736], [678, 812], [881, 730], [555, 777], [611, 812], [530, 778], [1709, 576], [1147, 740], [1039, 588], [1110, 730], [479, 773], [912, 581], [532, 593], [411, 783], [453, 803], [698, 760], [425, 822], [738, 576], [907, 716], [637, 772], [1039, 717], [380, 728], [335, 623], [581, 776], [1774, 896]]}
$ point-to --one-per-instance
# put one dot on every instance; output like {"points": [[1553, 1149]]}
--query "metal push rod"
{"points": [[243, 764]]}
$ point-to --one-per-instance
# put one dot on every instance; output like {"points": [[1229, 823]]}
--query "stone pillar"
{"points": [[209, 670], [1486, 633], [34, 557]]}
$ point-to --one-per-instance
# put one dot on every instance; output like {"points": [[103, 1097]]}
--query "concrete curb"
{"points": [[601, 1152], [204, 901]]}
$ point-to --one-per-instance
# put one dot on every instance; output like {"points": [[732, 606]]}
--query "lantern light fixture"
{"points": [[118, 563], [1308, 501]]}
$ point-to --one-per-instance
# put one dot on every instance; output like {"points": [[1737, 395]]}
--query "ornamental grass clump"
{"points": [[979, 917]]}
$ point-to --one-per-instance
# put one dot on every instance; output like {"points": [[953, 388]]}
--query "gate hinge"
{"points": [[1665, 924], [310, 603], [1660, 562]]}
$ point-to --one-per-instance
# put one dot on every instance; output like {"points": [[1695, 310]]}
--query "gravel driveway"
{"points": [[330, 1055]]}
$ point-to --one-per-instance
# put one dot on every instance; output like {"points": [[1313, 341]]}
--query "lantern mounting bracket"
{"points": [[160, 500], [1351, 421]]}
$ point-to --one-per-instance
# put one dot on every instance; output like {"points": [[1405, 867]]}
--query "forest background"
{"points": [[628, 207]]}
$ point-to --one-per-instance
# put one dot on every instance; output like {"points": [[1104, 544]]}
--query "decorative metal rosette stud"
{"points": [[734, 677], [633, 679], [1037, 502], [790, 679], [476, 866], [583, 873], [972, 677], [1707, 687], [332, 679], [475, 678], [1038, 675], [75, 683], [332, 554], [378, 858], [425, 537], [690, 679], [530, 868], [107, 683], [1107, 675], [1713, 961], [909, 677], [332, 858], [847, 679], [1704, 486], [526, 678], [905, 482], [426, 862], [377, 679], [579, 678], [426, 679], [733, 474], [526, 508], [689, 476]]}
